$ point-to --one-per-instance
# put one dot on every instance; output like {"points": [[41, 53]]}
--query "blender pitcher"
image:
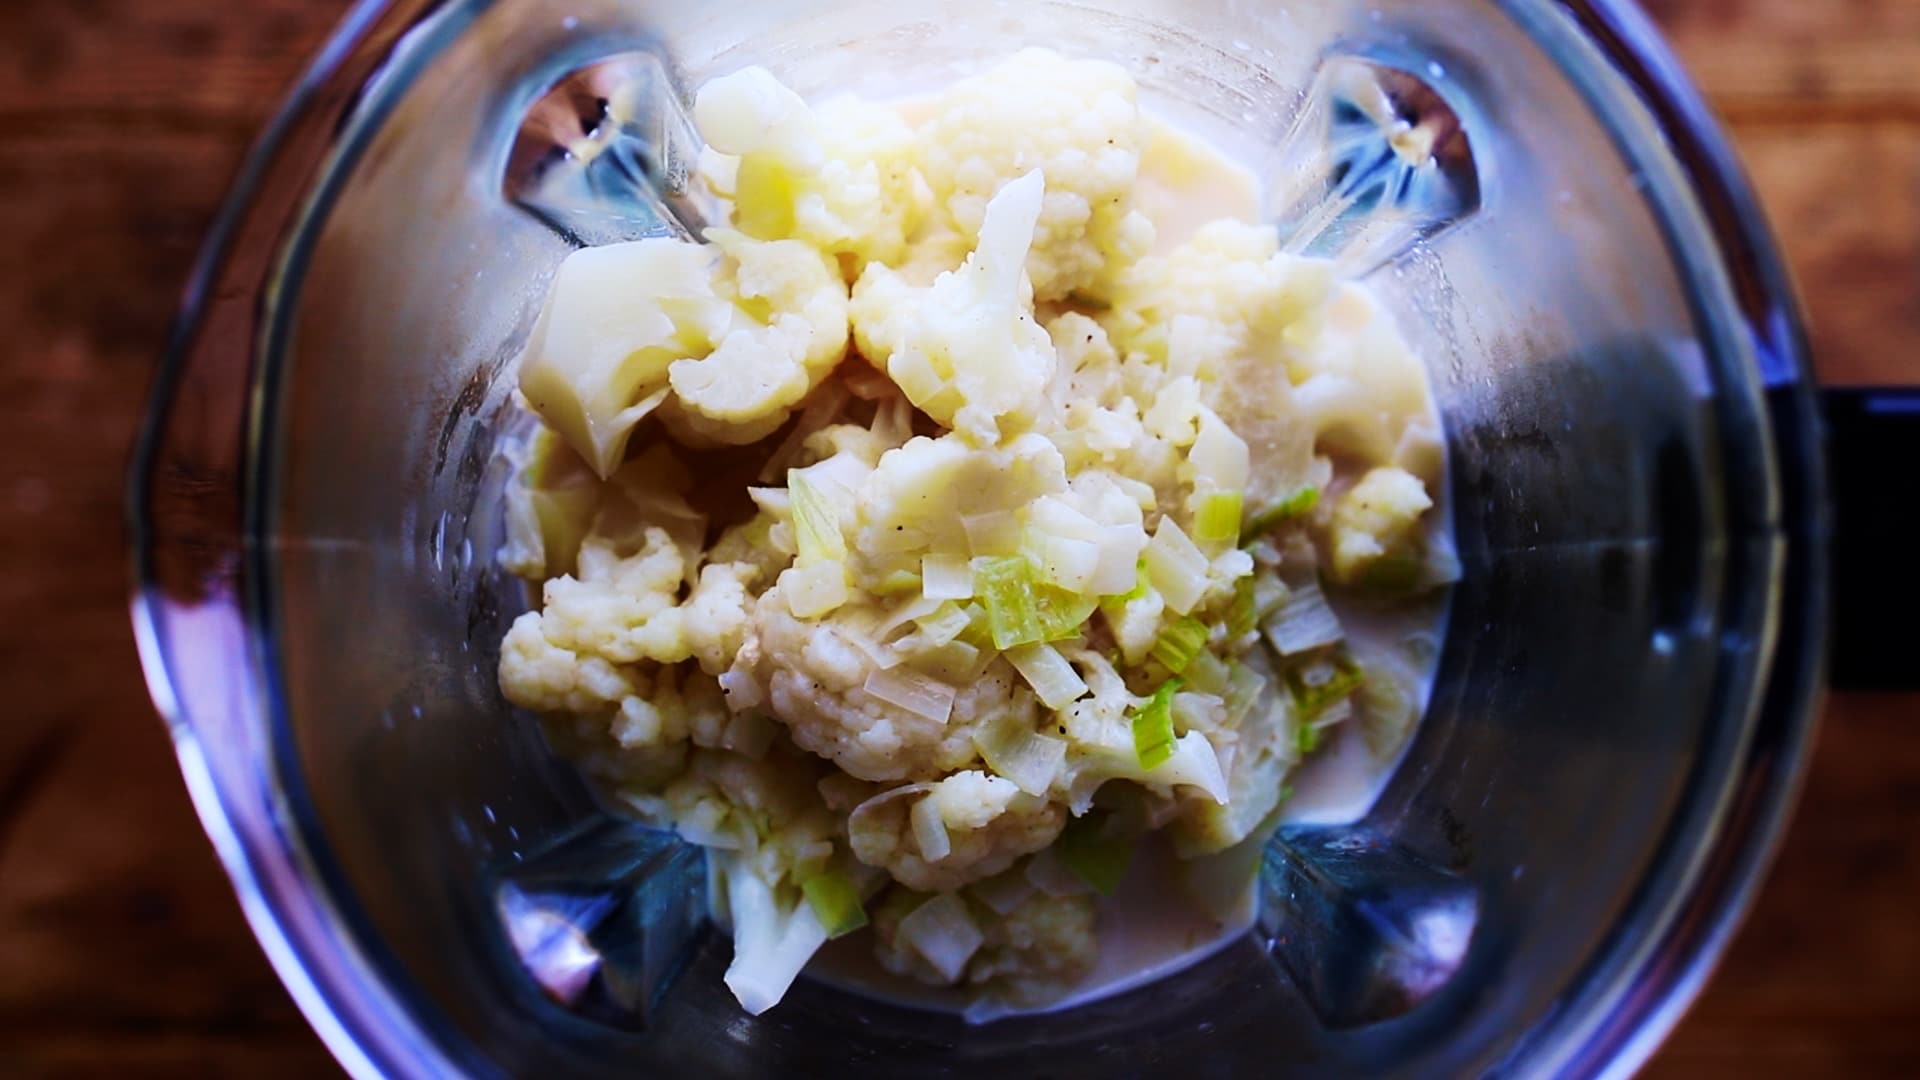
{"points": [[1624, 693]]}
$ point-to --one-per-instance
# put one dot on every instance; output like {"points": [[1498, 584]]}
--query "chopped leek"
{"points": [[1218, 520], [1005, 587], [1294, 506], [1095, 857], [1180, 642], [1243, 617], [835, 902], [1022, 610], [1207, 673], [816, 524], [1153, 726], [1053, 679], [1322, 681], [1304, 623]]}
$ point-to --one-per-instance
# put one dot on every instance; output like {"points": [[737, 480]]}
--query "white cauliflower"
{"points": [[814, 675], [1226, 308], [1377, 537], [841, 178], [1357, 383], [987, 822], [539, 675], [738, 330], [1041, 948], [1027, 956], [1076, 121], [966, 349], [789, 331]]}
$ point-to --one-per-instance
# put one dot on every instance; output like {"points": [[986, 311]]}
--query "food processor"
{"points": [[1625, 690]]}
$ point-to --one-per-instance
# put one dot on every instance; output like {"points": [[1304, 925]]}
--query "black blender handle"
{"points": [[1873, 471]]}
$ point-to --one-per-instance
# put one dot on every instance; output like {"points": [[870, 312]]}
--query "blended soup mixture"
{"points": [[980, 544]]}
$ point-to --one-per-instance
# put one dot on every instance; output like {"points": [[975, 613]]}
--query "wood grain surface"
{"points": [[122, 949]]}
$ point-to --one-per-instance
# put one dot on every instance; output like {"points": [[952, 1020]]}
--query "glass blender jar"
{"points": [[1624, 694]]}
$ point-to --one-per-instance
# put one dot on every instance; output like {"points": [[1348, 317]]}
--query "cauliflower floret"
{"points": [[790, 332], [1377, 535], [539, 675], [1357, 383], [619, 607], [1227, 291], [1027, 956], [1039, 949], [616, 316], [918, 495], [716, 614], [738, 330], [966, 349], [751, 542], [841, 178], [814, 677], [989, 823], [1076, 120]]}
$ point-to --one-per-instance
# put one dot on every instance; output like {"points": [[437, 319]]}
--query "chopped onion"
{"points": [[741, 690], [1177, 568], [994, 533], [816, 521], [944, 933], [944, 623], [1013, 750], [930, 831], [1119, 566], [812, 591], [909, 611], [1303, 623], [946, 577], [1052, 678], [1067, 562], [1219, 457], [835, 902], [924, 697], [880, 656]]}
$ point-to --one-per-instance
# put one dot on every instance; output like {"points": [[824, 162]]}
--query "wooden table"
{"points": [[122, 950]]}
